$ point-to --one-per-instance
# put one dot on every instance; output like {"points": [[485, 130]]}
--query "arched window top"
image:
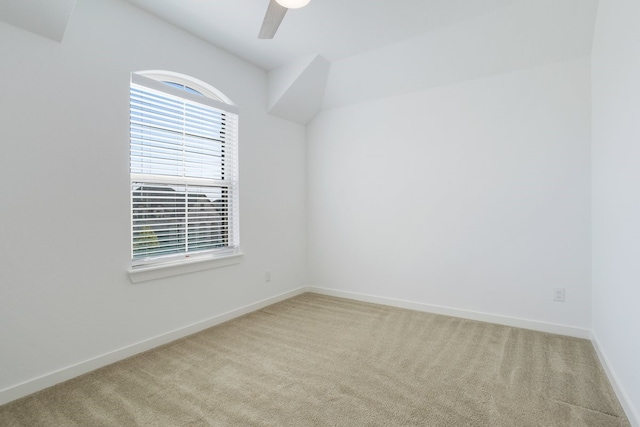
{"points": [[187, 83], [183, 87]]}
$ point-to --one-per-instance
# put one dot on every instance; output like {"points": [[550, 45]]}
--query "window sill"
{"points": [[143, 274]]}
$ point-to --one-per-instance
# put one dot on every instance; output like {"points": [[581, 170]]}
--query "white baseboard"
{"points": [[630, 411], [36, 384], [455, 312]]}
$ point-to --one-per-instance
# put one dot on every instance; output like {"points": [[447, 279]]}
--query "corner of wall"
{"points": [[625, 401]]}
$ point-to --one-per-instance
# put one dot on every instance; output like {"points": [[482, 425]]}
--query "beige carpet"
{"points": [[321, 361]]}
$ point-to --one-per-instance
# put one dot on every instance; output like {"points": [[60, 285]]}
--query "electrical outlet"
{"points": [[558, 294], [267, 276]]}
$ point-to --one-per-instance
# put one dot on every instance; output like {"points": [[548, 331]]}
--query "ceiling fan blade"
{"points": [[272, 20]]}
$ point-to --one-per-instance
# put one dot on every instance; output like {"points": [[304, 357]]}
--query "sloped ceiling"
{"points": [[296, 90], [333, 53], [521, 35], [379, 48], [333, 29], [47, 18]]}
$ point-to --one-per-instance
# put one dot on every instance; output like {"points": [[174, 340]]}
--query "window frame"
{"points": [[151, 267]]}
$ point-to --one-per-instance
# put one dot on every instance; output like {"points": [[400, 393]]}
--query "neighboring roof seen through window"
{"points": [[183, 87]]}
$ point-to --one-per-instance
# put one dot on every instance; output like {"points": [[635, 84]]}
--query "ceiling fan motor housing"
{"points": [[293, 4]]}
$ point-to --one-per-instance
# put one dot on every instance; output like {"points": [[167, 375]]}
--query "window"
{"points": [[183, 170]]}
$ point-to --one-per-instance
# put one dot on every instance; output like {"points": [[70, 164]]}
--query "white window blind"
{"points": [[184, 175]]}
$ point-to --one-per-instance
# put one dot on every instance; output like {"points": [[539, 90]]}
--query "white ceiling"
{"points": [[334, 53], [333, 29], [47, 18]]}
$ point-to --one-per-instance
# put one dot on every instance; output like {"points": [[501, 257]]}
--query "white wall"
{"points": [[616, 195], [474, 196], [65, 296]]}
